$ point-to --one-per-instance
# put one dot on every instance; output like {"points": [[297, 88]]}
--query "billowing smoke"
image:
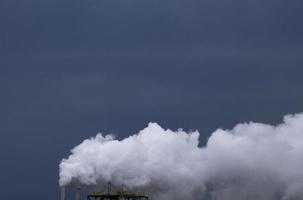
{"points": [[253, 161]]}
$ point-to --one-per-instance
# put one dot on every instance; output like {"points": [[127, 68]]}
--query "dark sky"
{"points": [[72, 68]]}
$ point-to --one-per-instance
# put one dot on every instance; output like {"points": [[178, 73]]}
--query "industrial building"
{"points": [[109, 194]]}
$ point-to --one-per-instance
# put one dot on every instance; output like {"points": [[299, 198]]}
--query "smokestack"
{"points": [[109, 188], [62, 193], [78, 193]]}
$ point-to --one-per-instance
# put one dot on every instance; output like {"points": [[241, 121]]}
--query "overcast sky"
{"points": [[72, 68]]}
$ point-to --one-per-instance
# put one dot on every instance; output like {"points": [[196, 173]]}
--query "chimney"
{"points": [[62, 193], [78, 193]]}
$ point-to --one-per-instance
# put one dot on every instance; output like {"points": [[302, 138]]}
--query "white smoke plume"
{"points": [[253, 161]]}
